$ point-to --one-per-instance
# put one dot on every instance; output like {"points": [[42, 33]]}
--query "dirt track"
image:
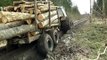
{"points": [[67, 48], [23, 53], [62, 52]]}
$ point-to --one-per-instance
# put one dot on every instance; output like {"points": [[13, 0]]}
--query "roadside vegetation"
{"points": [[93, 39], [100, 8], [71, 10], [5, 2]]}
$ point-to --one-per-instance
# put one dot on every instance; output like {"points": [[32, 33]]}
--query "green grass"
{"points": [[93, 37]]}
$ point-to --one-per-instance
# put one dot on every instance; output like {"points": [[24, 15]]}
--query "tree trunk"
{"points": [[15, 3], [46, 8], [43, 16], [9, 8], [12, 32], [14, 16], [46, 22], [10, 25], [53, 24]]}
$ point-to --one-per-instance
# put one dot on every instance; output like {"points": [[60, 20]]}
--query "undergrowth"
{"points": [[93, 37]]}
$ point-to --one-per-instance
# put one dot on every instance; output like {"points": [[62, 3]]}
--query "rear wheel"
{"points": [[55, 36], [45, 44]]}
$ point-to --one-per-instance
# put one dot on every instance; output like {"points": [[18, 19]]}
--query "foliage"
{"points": [[71, 11], [65, 3], [98, 8], [75, 9], [94, 38], [5, 2]]}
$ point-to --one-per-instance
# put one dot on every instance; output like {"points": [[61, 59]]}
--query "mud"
{"points": [[67, 49]]}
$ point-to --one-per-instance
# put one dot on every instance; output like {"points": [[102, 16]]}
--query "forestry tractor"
{"points": [[27, 21]]}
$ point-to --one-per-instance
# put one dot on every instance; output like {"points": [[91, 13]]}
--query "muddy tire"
{"points": [[65, 25], [45, 44], [55, 36]]}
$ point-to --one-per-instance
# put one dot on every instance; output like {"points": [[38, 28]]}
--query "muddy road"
{"points": [[63, 50], [27, 52]]}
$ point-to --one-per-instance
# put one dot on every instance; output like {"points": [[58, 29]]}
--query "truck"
{"points": [[29, 21]]}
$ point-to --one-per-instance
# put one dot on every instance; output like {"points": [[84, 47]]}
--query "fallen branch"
{"points": [[99, 54]]}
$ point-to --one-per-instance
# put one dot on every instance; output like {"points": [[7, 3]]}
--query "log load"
{"points": [[9, 8], [23, 6], [17, 16], [41, 7], [15, 3], [12, 32], [46, 8], [44, 16], [46, 22], [53, 23], [14, 16], [10, 25]]}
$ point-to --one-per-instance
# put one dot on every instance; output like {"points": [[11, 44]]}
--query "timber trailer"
{"points": [[24, 28]]}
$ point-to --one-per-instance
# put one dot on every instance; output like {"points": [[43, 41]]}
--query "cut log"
{"points": [[9, 8], [46, 8], [46, 22], [12, 32], [0, 19], [55, 21], [10, 25], [14, 16], [16, 3], [29, 3], [16, 8], [43, 16], [52, 25], [29, 10], [28, 6], [3, 43], [32, 5]]}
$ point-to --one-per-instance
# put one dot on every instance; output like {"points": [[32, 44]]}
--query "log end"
{"points": [[40, 26], [40, 17]]}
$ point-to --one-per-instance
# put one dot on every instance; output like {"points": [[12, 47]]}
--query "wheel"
{"points": [[65, 25], [45, 44], [55, 36]]}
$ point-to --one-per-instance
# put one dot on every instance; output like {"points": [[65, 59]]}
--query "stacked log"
{"points": [[12, 32], [14, 16], [19, 19], [10, 25], [24, 5]]}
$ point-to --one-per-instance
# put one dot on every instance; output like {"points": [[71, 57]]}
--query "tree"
{"points": [[98, 8], [5, 2], [75, 10], [65, 3]]}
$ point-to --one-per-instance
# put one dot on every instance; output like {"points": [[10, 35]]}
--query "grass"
{"points": [[93, 37]]}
